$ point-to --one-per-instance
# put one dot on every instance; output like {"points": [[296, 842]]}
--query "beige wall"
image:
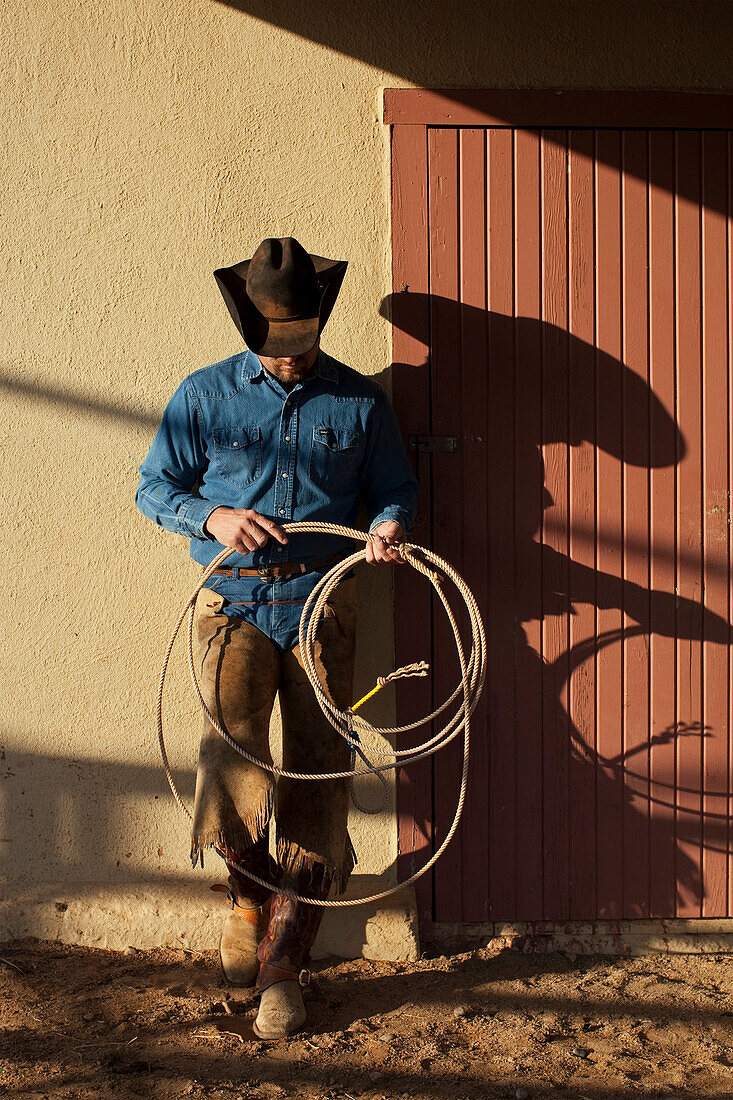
{"points": [[147, 142]]}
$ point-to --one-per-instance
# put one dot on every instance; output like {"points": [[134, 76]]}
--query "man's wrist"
{"points": [[391, 526], [213, 512]]}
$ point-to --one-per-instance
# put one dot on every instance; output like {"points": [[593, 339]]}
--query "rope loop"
{"points": [[351, 727]]}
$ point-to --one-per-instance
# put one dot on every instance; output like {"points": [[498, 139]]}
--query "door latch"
{"points": [[431, 444]]}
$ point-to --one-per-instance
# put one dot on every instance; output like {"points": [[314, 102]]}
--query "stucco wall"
{"points": [[147, 142]]}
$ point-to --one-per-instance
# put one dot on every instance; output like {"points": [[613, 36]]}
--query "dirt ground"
{"points": [[88, 1023]]}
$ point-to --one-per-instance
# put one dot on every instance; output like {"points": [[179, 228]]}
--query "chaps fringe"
{"points": [[241, 833], [291, 857]]}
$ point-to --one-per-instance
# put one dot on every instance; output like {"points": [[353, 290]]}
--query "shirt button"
{"points": [[287, 438], [282, 511], [280, 549], [284, 475]]}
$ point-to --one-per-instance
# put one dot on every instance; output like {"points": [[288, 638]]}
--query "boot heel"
{"points": [[241, 932]]}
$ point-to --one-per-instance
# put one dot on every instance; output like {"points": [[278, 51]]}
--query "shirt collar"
{"points": [[252, 368], [325, 368]]}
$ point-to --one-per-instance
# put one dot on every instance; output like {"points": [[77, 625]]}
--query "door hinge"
{"points": [[433, 443]]}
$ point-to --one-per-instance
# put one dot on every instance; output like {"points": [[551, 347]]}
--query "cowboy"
{"points": [[280, 432]]}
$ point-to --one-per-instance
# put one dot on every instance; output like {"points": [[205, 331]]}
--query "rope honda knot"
{"points": [[350, 726]]}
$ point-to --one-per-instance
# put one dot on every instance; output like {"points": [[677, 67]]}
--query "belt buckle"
{"points": [[265, 573]]}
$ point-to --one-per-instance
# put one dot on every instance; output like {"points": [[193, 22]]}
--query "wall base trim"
{"points": [[160, 914], [603, 937]]}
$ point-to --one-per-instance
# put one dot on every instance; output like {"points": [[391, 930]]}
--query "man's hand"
{"points": [[243, 529], [386, 537]]}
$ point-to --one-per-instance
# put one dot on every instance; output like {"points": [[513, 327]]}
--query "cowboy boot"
{"points": [[247, 922], [285, 952]]}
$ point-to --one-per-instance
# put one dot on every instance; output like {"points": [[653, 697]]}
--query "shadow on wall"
{"points": [[87, 819], [653, 791], [78, 402], [509, 45], [96, 822]]}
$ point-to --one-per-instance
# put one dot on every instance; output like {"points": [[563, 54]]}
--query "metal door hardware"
{"points": [[430, 444]]}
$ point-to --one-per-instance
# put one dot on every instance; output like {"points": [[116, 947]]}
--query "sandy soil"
{"points": [[84, 1023]]}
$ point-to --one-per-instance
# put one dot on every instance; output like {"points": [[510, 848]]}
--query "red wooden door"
{"points": [[561, 305]]}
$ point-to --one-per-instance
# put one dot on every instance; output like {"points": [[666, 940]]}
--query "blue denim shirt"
{"points": [[232, 436]]}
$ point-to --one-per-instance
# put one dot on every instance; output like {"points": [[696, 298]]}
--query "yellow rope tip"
{"points": [[365, 697]]}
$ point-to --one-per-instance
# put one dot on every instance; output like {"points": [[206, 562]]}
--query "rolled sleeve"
{"points": [[193, 516], [389, 485], [395, 513]]}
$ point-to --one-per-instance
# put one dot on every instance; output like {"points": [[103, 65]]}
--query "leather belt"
{"points": [[275, 569]]}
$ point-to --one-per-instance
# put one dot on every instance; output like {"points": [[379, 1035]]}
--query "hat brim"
{"points": [[285, 338], [276, 339]]}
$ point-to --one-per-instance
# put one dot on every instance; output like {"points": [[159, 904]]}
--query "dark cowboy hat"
{"points": [[281, 298]]}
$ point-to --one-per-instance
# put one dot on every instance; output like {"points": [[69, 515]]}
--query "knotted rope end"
{"points": [[419, 668]]}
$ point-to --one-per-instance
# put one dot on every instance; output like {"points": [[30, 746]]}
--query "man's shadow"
{"points": [[604, 803]]}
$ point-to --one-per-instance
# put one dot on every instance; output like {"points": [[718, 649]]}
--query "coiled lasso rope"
{"points": [[347, 723]]}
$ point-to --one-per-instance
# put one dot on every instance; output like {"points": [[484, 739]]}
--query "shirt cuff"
{"points": [[193, 516], [395, 513]]}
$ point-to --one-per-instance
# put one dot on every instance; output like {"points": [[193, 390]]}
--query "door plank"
{"points": [[555, 580], [500, 498], [663, 480], [689, 526], [528, 522], [474, 835], [582, 519], [447, 538], [609, 533], [716, 529], [411, 396], [636, 524], [729, 330]]}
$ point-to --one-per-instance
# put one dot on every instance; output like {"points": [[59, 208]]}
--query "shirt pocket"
{"points": [[333, 457], [238, 454]]}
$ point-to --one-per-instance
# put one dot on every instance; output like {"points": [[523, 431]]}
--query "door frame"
{"points": [[551, 109], [409, 112]]}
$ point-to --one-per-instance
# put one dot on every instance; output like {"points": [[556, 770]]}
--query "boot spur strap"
{"points": [[307, 981], [270, 974], [252, 914]]}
